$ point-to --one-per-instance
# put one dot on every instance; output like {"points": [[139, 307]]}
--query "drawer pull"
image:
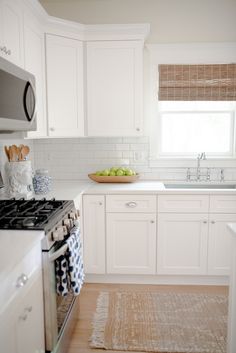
{"points": [[22, 280], [152, 221], [131, 204], [213, 222], [205, 222]]}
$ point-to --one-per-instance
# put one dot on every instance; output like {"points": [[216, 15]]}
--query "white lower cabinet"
{"points": [[219, 244], [94, 233], [131, 243], [22, 324], [182, 244]]}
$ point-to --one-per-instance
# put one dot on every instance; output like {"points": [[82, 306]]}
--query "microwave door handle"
{"points": [[58, 253], [28, 116]]}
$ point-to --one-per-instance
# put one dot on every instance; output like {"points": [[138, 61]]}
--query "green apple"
{"points": [[129, 172], [112, 173], [98, 173], [106, 172], [120, 172]]}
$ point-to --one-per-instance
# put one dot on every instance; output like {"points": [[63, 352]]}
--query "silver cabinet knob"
{"points": [[213, 222], [152, 221], [131, 204], [204, 222], [29, 309], [100, 203], [21, 280], [51, 129], [23, 317], [137, 129]]}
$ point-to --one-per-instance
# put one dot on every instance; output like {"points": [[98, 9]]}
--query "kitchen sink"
{"points": [[200, 186]]}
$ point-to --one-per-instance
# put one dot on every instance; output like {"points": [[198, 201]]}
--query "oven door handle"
{"points": [[58, 253]]}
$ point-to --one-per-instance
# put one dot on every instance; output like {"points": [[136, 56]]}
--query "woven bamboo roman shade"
{"points": [[197, 82]]}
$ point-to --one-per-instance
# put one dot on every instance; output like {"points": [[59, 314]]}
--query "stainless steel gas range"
{"points": [[55, 218]]}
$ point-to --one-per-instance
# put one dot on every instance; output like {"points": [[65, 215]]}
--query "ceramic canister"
{"points": [[19, 176]]}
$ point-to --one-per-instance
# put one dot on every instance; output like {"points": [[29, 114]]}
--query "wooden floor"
{"points": [[88, 298]]}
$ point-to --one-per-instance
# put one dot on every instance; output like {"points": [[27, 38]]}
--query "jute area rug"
{"points": [[160, 322]]}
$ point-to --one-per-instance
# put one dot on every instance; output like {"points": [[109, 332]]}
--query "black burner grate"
{"points": [[32, 214]]}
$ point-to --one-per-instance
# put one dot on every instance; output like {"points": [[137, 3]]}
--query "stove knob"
{"points": [[67, 222], [72, 215], [59, 233]]}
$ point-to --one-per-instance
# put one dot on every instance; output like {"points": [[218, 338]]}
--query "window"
{"points": [[196, 110], [187, 128]]}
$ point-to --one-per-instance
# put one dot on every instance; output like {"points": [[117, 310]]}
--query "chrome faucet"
{"points": [[200, 156]]}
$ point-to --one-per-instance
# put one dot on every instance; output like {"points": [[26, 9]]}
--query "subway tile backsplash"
{"points": [[74, 159]]}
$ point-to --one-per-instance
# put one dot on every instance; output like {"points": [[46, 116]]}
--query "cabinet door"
{"points": [[94, 233], [131, 243], [11, 31], [34, 63], [182, 244], [30, 322], [22, 324], [64, 61], [219, 244], [114, 88]]}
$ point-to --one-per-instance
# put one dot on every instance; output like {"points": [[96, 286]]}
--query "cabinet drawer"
{"points": [[131, 203], [223, 203], [183, 203], [20, 275]]}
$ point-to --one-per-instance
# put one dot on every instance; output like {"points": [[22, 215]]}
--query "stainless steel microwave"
{"points": [[17, 98]]}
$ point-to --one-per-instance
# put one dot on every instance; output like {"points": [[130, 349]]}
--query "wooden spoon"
{"points": [[24, 152], [7, 153], [15, 153]]}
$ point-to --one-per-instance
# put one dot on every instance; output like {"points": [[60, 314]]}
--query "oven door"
{"points": [[57, 309]]}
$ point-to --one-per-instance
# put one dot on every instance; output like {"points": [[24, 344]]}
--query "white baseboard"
{"points": [[155, 279]]}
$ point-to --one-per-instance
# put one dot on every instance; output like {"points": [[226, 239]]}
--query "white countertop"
{"points": [[150, 187], [72, 190]]}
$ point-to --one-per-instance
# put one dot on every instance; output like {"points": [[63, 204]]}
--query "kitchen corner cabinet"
{"points": [[94, 233], [11, 31], [114, 88], [182, 244], [131, 243], [64, 67], [35, 63]]}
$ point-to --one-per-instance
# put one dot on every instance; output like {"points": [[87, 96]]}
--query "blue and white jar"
{"points": [[42, 182]]}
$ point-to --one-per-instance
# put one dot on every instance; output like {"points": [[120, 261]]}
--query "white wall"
{"points": [[171, 20]]}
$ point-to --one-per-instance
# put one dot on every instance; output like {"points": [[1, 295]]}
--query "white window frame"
{"points": [[182, 53], [230, 154]]}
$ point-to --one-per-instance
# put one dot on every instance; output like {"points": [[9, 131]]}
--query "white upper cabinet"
{"points": [[34, 51], [64, 67], [114, 88], [11, 31]]}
